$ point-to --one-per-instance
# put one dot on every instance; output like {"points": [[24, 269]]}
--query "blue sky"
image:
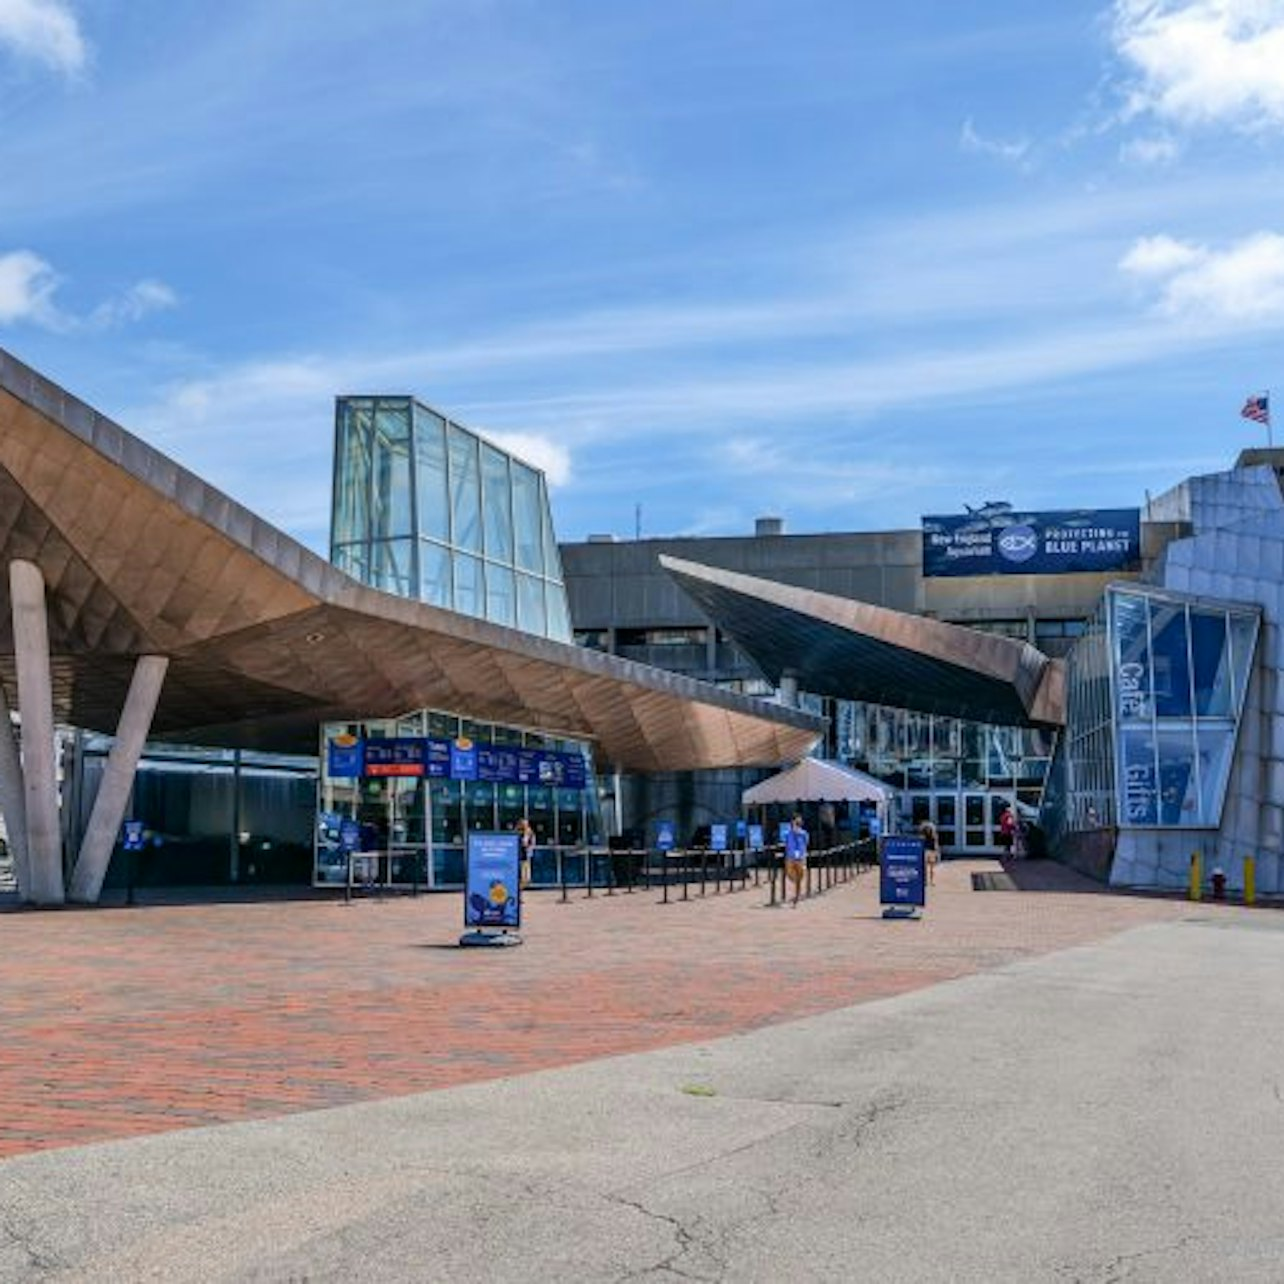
{"points": [[839, 261]]}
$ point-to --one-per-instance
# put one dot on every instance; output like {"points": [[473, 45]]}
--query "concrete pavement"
{"points": [[1111, 1111]]}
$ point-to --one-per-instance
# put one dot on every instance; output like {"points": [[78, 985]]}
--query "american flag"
{"points": [[1258, 409]]}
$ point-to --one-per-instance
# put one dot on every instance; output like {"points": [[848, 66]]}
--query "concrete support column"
{"points": [[12, 803], [118, 778], [35, 708]]}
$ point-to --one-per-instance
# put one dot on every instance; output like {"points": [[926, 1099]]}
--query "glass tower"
{"points": [[427, 509]]}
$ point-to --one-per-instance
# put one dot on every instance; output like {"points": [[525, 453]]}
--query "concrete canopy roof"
{"points": [[266, 640], [856, 651]]}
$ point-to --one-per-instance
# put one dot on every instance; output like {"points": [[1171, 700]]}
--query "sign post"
{"points": [[902, 883], [493, 890]]}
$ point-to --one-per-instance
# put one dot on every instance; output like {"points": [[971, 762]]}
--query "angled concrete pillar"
{"points": [[35, 708], [118, 779], [12, 803]]}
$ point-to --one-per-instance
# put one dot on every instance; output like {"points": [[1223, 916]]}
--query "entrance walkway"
{"points": [[122, 1022]]}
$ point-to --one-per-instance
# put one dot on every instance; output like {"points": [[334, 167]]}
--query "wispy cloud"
{"points": [[1239, 285], [29, 284], [1151, 151], [1204, 62], [45, 31], [1015, 150]]}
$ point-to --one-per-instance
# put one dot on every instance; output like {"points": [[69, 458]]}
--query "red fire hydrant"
{"points": [[1219, 884]]}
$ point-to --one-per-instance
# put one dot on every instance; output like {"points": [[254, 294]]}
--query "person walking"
{"points": [[796, 841], [1007, 829], [526, 848], [931, 849]]}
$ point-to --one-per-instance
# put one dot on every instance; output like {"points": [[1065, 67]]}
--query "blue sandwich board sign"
{"points": [[902, 884], [718, 838], [132, 840], [492, 891], [755, 837], [665, 835]]}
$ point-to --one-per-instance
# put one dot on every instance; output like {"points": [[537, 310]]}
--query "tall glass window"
{"points": [[465, 488], [496, 504], [431, 495]]}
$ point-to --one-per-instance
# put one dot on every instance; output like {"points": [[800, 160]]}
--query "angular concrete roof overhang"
{"points": [[266, 640], [857, 651]]}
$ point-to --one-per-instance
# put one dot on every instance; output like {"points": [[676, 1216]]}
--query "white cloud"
{"points": [[1242, 284], [27, 285], [140, 300], [43, 30], [1016, 149], [1160, 150], [1204, 62]]}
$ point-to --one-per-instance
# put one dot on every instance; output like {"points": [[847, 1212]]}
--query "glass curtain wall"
{"points": [[427, 509], [1179, 671], [958, 774], [412, 831]]}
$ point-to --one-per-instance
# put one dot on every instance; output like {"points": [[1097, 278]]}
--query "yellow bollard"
{"points": [[1196, 877], [1250, 880]]}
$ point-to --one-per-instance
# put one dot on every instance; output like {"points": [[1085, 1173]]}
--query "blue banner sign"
{"points": [[995, 540], [718, 838], [783, 828], [439, 759], [492, 886], [755, 837], [903, 874], [665, 835], [132, 838], [394, 757]]}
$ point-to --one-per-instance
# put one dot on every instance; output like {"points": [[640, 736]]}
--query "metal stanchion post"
{"points": [[347, 886], [664, 876], [561, 872], [686, 876], [588, 870], [771, 875]]}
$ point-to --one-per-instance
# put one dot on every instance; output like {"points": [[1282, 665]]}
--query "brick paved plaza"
{"points": [[121, 1022]]}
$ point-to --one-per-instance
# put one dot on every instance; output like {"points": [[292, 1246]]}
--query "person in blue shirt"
{"points": [[796, 840]]}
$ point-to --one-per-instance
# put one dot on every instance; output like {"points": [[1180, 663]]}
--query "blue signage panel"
{"points": [[437, 759], [349, 834], [903, 875], [492, 887], [783, 829], [497, 763], [132, 838], [995, 540], [344, 758], [755, 837], [463, 760], [718, 838], [665, 835]]}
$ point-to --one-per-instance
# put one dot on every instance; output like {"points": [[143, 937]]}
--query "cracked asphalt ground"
{"points": [[1112, 1111]]}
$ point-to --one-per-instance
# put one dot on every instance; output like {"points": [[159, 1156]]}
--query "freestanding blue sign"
{"points": [[492, 886], [902, 884], [718, 838], [755, 837], [665, 836], [132, 840]]}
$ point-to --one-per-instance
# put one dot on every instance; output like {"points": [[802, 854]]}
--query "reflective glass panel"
{"points": [[527, 518], [1243, 630], [351, 519], [1178, 799], [500, 602], [1214, 747], [495, 505], [430, 477], [1210, 656], [559, 620], [530, 605], [1137, 780], [434, 574], [391, 470], [1132, 657], [465, 491], [469, 591], [1170, 659], [393, 566]]}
